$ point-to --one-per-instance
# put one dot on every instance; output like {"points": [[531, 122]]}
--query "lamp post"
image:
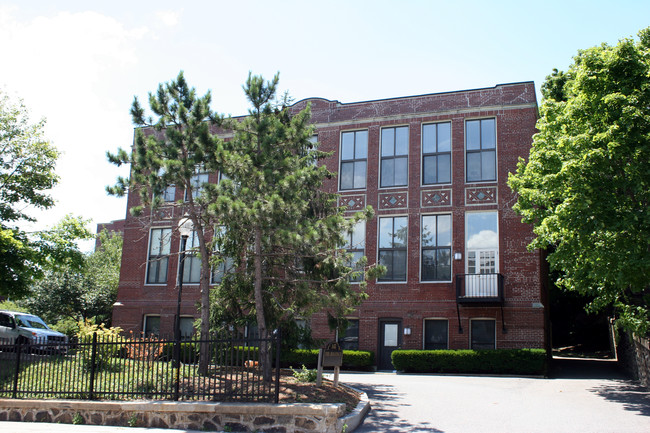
{"points": [[185, 228]]}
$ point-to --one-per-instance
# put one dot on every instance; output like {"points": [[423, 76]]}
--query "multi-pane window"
{"points": [[436, 248], [192, 263], [187, 327], [350, 338], [169, 194], [198, 179], [483, 334], [436, 334], [482, 242], [393, 236], [356, 244], [354, 159], [151, 326], [159, 249], [480, 150], [394, 156], [226, 265], [436, 153]]}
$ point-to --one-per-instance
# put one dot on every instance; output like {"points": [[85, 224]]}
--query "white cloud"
{"points": [[169, 18], [65, 67]]}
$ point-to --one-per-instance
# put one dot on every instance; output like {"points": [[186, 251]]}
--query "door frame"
{"points": [[380, 343]]}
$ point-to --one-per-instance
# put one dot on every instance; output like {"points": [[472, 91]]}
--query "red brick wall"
{"points": [[514, 108]]}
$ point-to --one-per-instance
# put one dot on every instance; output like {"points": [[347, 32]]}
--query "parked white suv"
{"points": [[30, 330]]}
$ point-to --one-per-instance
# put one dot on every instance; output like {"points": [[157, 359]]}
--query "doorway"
{"points": [[390, 339]]}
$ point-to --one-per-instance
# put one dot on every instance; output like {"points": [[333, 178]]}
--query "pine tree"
{"points": [[284, 233], [176, 151]]}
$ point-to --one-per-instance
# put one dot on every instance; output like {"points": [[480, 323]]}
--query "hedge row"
{"points": [[502, 361], [352, 359]]}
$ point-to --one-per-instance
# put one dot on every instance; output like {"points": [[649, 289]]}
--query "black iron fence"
{"points": [[119, 368]]}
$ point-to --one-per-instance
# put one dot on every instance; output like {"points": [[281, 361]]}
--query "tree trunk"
{"points": [[204, 350], [265, 355]]}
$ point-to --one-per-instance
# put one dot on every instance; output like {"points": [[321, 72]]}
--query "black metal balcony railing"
{"points": [[479, 288]]}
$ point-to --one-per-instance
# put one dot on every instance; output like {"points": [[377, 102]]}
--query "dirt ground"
{"points": [[293, 391]]}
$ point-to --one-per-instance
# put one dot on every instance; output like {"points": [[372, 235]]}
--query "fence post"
{"points": [[177, 363], [278, 339], [93, 357], [18, 348]]}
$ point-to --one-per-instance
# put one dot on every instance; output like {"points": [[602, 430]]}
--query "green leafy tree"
{"points": [[80, 291], [27, 162], [283, 232], [586, 185], [174, 151]]}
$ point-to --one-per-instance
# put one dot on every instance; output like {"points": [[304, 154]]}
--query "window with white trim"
{"points": [[436, 153], [356, 245], [482, 254], [350, 338], [158, 258], [198, 179], [436, 247], [151, 325], [394, 156], [187, 327], [192, 263], [227, 263], [480, 150], [436, 334], [483, 334], [393, 238], [354, 159]]}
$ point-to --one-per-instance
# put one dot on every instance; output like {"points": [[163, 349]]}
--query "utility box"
{"points": [[332, 355]]}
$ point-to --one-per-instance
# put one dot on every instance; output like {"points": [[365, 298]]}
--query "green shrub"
{"points": [[352, 359], [502, 361], [305, 374], [67, 326], [189, 352], [105, 352]]}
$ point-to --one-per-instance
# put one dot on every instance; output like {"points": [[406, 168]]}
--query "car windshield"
{"points": [[31, 322]]}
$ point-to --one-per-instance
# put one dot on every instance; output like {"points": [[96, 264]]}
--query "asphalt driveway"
{"points": [[581, 397]]}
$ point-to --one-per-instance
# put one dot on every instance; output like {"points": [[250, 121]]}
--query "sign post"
{"points": [[330, 356]]}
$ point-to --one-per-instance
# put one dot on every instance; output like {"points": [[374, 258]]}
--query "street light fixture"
{"points": [[185, 228]]}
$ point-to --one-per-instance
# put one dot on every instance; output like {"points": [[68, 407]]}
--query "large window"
{"points": [[159, 249], [350, 338], [198, 179], [354, 155], [226, 265], [187, 327], [393, 237], [436, 334], [169, 194], [151, 326], [436, 248], [394, 156], [482, 242], [356, 245], [192, 263], [480, 147], [483, 334], [436, 153]]}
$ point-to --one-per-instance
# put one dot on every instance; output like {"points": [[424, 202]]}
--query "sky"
{"points": [[80, 63]]}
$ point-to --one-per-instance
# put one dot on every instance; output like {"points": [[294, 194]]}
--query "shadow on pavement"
{"points": [[618, 388], [383, 416]]}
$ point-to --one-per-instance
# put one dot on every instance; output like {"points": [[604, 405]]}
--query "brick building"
{"points": [[435, 168]]}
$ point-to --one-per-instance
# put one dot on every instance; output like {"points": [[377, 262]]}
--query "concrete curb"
{"points": [[354, 418]]}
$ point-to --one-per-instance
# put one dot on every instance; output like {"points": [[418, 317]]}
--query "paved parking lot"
{"points": [[580, 398]]}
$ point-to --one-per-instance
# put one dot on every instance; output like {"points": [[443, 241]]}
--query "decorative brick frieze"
{"points": [[353, 202], [393, 200], [435, 198], [481, 195]]}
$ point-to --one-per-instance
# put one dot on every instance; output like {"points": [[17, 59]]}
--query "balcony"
{"points": [[479, 288]]}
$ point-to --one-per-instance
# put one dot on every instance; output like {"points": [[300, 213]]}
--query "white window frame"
{"points": [[451, 230], [354, 160], [144, 323], [159, 257], [406, 248], [423, 155], [394, 157], [480, 150], [355, 248], [191, 258]]}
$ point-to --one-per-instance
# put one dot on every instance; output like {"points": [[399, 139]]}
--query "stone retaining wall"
{"points": [[208, 416], [634, 354]]}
